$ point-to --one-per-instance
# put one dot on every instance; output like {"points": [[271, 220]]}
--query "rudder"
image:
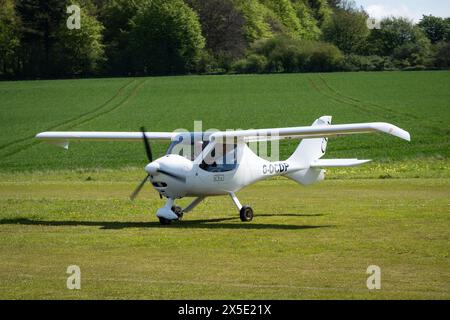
{"points": [[310, 150]]}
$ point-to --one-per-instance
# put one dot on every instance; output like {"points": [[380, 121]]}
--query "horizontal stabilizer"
{"points": [[328, 163]]}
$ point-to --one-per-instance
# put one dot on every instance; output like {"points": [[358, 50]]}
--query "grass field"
{"points": [[416, 101], [59, 208]]}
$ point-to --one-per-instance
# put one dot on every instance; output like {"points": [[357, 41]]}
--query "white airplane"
{"points": [[203, 164]]}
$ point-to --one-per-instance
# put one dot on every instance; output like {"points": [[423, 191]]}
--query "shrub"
{"points": [[367, 63], [240, 66], [325, 57], [254, 63], [284, 54], [415, 68]]}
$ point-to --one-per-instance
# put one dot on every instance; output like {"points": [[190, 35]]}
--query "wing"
{"points": [[316, 131], [62, 138]]}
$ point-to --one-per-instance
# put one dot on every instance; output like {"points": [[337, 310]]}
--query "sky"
{"points": [[413, 9]]}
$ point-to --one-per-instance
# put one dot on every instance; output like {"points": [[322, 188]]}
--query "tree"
{"points": [[436, 29], [334, 4], [347, 29], [256, 26], [9, 37], [284, 18], [320, 10], [165, 38], [222, 26], [441, 55], [40, 21], [399, 37], [447, 33], [311, 30], [79, 51], [116, 16], [295, 18]]}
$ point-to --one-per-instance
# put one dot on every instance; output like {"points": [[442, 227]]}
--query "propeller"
{"points": [[139, 187], [148, 151]]}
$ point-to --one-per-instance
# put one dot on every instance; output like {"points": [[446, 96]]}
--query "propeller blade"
{"points": [[148, 149], [138, 189], [175, 176]]}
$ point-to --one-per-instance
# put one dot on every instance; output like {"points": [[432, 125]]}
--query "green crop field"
{"points": [[70, 207]]}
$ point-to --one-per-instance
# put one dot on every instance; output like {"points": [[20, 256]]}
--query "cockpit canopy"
{"points": [[221, 158], [188, 145]]}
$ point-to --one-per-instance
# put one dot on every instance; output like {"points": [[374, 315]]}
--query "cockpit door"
{"points": [[218, 163]]}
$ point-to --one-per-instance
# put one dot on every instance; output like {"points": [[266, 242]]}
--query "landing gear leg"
{"points": [[193, 204], [245, 212]]}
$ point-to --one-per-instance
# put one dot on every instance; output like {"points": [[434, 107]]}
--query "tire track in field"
{"points": [[93, 115], [67, 122], [381, 108], [338, 99], [358, 101], [132, 94]]}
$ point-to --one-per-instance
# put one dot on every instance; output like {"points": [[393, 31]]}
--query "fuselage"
{"points": [[213, 180]]}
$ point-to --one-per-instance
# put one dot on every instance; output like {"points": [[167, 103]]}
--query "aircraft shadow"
{"points": [[289, 215], [188, 224]]}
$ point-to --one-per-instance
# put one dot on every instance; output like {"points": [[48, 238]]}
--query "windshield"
{"points": [[188, 148]]}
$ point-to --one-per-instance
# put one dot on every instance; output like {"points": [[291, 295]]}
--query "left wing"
{"points": [[62, 138]]}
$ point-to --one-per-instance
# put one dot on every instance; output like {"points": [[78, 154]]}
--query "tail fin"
{"points": [[310, 150], [307, 156], [307, 152]]}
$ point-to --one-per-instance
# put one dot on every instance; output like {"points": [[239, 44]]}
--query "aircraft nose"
{"points": [[152, 168]]}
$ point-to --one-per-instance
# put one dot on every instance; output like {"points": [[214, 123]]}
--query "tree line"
{"points": [[164, 37]]}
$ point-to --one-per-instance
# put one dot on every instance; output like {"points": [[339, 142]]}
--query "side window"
{"points": [[222, 158]]}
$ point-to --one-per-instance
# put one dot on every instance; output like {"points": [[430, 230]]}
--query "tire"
{"points": [[246, 214], [178, 211], [164, 221]]}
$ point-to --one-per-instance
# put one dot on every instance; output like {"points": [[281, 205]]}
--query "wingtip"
{"points": [[408, 138], [398, 132], [404, 135]]}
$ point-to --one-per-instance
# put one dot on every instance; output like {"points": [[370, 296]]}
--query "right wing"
{"points": [[317, 131]]}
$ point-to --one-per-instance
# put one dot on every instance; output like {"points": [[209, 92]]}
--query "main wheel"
{"points": [[164, 221], [246, 214], [178, 211]]}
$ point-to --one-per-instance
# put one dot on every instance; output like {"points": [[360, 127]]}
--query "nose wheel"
{"points": [[178, 211], [175, 209], [164, 221]]}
